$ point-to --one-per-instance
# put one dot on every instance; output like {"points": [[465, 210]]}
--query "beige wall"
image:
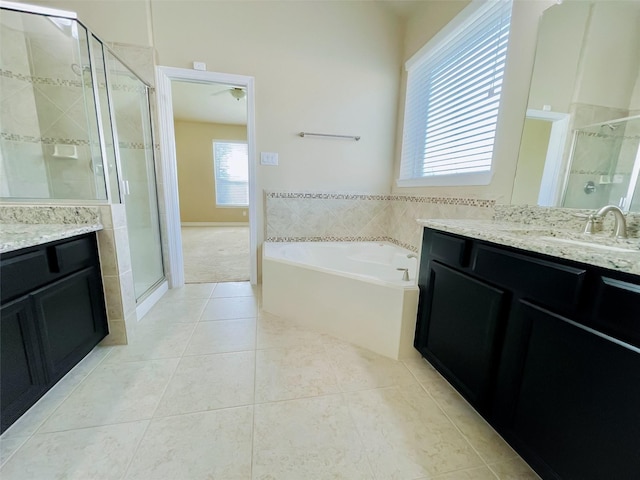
{"points": [[196, 183], [533, 153], [522, 44]]}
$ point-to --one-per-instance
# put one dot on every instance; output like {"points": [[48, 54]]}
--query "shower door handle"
{"points": [[125, 187]]}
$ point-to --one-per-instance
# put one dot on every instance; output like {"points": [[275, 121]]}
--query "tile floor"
{"points": [[213, 388]]}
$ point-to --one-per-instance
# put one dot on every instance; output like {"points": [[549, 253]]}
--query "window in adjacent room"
{"points": [[454, 85], [231, 167]]}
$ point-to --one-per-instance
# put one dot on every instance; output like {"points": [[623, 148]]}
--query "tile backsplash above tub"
{"points": [[356, 217]]}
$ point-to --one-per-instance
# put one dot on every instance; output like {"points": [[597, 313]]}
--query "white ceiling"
{"points": [[207, 102]]}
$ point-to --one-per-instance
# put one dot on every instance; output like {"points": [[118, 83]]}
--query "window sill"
{"points": [[458, 180]]}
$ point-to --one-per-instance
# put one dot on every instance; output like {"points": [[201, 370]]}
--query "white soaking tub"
{"points": [[351, 290]]}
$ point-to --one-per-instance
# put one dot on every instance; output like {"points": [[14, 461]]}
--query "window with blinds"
{"points": [[454, 85], [231, 167]]}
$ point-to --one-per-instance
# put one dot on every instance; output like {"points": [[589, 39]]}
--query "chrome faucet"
{"points": [[412, 255], [620, 227]]}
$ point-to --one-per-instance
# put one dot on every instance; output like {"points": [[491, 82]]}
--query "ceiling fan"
{"points": [[236, 92]]}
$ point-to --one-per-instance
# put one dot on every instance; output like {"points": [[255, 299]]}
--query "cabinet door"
{"points": [[22, 371], [574, 410], [71, 318], [459, 329]]}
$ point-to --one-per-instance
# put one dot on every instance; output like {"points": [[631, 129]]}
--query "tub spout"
{"points": [[412, 255], [405, 274]]}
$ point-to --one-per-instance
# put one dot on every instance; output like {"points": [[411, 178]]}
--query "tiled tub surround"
{"points": [[295, 217], [22, 226]]}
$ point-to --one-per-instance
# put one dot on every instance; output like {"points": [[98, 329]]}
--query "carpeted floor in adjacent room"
{"points": [[215, 254]]}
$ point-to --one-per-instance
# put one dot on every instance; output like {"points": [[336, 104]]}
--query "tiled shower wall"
{"points": [[346, 217]]}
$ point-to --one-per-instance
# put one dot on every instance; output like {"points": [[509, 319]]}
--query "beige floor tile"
{"points": [[152, 342], [428, 377], [227, 308], [114, 393], [311, 438], [209, 382], [206, 445], [405, 434], [223, 336], [190, 290], [9, 445], [236, 289], [169, 310], [357, 368], [276, 332], [91, 453], [480, 473], [293, 372], [514, 469], [491, 447], [38, 413]]}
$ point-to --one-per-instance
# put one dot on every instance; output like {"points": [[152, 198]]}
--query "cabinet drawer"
{"points": [[449, 249], [71, 256], [617, 310], [22, 273], [551, 284]]}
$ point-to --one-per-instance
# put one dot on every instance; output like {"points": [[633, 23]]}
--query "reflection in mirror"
{"points": [[580, 143]]}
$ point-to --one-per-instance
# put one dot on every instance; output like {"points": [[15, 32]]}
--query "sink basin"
{"points": [[598, 246]]}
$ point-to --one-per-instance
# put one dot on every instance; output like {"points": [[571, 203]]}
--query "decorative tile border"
{"points": [[56, 82], [61, 82], [470, 202], [343, 239], [13, 137]]}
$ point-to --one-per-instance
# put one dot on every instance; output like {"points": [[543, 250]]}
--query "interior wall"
{"points": [[421, 27], [533, 153], [196, 182], [124, 21]]}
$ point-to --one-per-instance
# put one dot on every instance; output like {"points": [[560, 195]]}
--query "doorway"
{"points": [[207, 127]]}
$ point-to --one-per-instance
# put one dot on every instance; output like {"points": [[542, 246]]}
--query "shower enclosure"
{"points": [[605, 166], [75, 127]]}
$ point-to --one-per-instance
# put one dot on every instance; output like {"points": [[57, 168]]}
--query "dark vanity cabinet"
{"points": [[547, 350], [52, 315]]}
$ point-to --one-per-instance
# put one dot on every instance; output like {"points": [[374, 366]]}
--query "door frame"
{"points": [[164, 76], [552, 183]]}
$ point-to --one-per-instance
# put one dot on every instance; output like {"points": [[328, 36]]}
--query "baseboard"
{"points": [[214, 224]]}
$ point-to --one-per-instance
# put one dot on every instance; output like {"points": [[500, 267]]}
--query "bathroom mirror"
{"points": [[580, 143]]}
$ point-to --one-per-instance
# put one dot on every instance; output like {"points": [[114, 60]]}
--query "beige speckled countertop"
{"points": [[622, 255], [14, 236]]}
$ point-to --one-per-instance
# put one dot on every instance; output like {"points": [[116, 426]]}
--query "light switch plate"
{"points": [[268, 158]]}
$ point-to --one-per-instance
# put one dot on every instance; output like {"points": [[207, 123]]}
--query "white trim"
{"points": [[23, 7], [457, 25], [164, 75], [214, 224], [143, 307], [551, 184], [457, 179]]}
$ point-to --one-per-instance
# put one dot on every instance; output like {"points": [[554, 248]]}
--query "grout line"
{"points": [[455, 425], [39, 426], [253, 407], [164, 391]]}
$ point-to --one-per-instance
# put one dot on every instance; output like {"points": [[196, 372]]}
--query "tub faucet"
{"points": [[620, 226], [405, 273], [412, 255]]}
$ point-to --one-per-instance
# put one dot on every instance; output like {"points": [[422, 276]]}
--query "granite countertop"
{"points": [[622, 254], [14, 236]]}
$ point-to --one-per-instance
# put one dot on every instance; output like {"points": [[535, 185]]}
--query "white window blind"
{"points": [[454, 85], [231, 166]]}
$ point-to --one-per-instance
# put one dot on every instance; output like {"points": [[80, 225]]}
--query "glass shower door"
{"points": [[135, 146]]}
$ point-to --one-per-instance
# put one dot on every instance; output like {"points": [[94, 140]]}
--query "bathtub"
{"points": [[350, 290]]}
